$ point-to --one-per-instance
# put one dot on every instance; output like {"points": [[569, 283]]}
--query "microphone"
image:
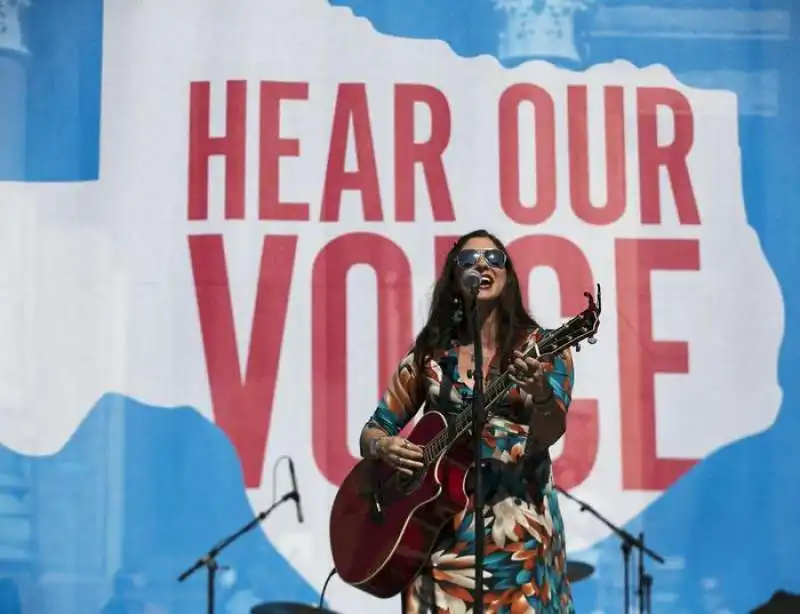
{"points": [[295, 492], [471, 281]]}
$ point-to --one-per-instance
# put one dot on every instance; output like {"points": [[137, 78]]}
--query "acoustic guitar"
{"points": [[384, 524]]}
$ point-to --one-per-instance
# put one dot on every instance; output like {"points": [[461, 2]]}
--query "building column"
{"points": [[13, 74], [543, 29]]}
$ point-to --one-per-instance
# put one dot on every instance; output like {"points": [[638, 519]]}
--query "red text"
{"points": [[351, 121], [350, 114], [243, 403], [641, 357]]}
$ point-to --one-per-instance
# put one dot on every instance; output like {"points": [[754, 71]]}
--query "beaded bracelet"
{"points": [[539, 404]]}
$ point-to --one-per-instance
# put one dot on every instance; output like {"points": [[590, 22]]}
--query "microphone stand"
{"points": [[645, 581], [209, 560], [477, 431]]}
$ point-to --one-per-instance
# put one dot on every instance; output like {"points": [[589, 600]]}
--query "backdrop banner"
{"points": [[220, 224]]}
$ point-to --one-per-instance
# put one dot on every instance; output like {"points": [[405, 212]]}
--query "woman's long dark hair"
{"points": [[443, 327]]}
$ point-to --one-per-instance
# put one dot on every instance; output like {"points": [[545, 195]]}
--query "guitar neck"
{"points": [[492, 395]]}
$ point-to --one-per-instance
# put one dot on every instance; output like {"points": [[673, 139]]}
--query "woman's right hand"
{"points": [[400, 453]]}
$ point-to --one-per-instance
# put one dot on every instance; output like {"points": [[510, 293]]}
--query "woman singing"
{"points": [[524, 564]]}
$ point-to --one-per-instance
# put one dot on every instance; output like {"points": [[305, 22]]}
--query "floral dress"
{"points": [[524, 554]]}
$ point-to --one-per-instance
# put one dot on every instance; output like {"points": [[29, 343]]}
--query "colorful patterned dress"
{"points": [[524, 553]]}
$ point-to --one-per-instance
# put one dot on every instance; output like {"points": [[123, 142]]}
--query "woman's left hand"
{"points": [[529, 374]]}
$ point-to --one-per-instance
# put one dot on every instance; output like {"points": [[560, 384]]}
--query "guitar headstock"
{"points": [[583, 326]]}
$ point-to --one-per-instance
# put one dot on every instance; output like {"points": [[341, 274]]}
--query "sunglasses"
{"points": [[468, 258]]}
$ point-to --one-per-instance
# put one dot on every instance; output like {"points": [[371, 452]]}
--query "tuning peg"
{"points": [[591, 340]]}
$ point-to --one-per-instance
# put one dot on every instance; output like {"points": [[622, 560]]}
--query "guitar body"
{"points": [[382, 538]]}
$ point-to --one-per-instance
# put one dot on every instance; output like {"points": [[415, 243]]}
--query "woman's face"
{"points": [[482, 255]]}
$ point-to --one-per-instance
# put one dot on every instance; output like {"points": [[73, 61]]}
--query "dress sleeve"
{"points": [[560, 376], [548, 422], [401, 400]]}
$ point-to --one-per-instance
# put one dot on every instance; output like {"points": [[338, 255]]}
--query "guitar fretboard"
{"points": [[463, 420]]}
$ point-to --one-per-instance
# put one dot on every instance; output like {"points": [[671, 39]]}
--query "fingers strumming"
{"points": [[409, 458], [404, 463]]}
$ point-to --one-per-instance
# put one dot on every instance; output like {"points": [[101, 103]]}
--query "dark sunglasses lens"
{"points": [[467, 258], [495, 258]]}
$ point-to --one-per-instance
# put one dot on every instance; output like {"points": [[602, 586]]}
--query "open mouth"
{"points": [[486, 282]]}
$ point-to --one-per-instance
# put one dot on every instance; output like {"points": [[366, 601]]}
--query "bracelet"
{"points": [[538, 405], [373, 446], [546, 400]]}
